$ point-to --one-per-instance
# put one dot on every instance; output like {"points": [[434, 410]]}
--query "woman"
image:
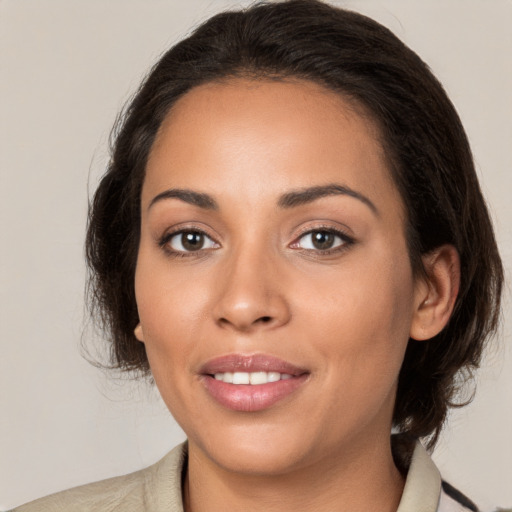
{"points": [[291, 239]]}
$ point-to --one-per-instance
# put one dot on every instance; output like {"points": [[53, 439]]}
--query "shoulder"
{"points": [[108, 495], [156, 488]]}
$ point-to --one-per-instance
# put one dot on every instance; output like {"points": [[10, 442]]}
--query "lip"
{"points": [[250, 363], [246, 397]]}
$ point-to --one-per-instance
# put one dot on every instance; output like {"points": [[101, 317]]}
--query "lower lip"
{"points": [[249, 398]]}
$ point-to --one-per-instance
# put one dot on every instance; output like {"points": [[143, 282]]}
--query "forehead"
{"points": [[262, 137]]}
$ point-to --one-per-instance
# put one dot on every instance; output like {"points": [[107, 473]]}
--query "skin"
{"points": [[259, 287]]}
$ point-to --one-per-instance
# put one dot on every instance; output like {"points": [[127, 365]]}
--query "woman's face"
{"points": [[272, 252]]}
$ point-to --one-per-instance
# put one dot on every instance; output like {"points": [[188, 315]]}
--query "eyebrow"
{"points": [[204, 201], [289, 200], [308, 195]]}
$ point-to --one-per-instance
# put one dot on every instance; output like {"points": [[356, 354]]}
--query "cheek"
{"points": [[170, 309], [363, 316]]}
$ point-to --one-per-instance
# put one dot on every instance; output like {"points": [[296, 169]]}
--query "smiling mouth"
{"points": [[251, 383], [252, 378]]}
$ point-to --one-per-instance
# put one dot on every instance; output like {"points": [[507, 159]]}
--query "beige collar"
{"points": [[422, 485]]}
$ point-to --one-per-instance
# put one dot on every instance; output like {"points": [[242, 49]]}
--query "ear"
{"points": [[435, 292], [138, 333]]}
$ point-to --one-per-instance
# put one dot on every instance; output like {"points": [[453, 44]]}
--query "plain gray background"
{"points": [[66, 68]]}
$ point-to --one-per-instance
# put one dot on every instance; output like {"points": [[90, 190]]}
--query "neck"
{"points": [[356, 479]]}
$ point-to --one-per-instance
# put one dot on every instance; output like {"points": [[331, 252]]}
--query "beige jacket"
{"points": [[158, 489]]}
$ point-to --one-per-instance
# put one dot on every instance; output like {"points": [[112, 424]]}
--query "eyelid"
{"points": [[335, 228]]}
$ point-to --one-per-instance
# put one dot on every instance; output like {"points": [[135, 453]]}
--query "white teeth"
{"points": [[274, 376], [253, 378], [258, 378], [240, 378]]}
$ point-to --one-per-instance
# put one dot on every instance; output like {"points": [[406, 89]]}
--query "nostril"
{"points": [[243, 321]]}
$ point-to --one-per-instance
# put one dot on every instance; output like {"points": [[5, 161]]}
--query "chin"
{"points": [[256, 462], [260, 450], [256, 451]]}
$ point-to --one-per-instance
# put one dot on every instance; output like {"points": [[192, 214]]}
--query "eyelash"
{"points": [[346, 240], [165, 240]]}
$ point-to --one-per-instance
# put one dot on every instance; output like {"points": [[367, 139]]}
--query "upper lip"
{"points": [[250, 363]]}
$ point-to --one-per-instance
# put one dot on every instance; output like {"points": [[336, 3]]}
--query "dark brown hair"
{"points": [[429, 157]]}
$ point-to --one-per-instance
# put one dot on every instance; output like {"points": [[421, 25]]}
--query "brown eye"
{"points": [[322, 240], [190, 241]]}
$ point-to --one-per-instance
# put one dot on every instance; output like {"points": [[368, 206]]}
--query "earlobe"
{"points": [[436, 292], [138, 333]]}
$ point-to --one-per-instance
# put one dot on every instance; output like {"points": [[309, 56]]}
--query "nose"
{"points": [[251, 294]]}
